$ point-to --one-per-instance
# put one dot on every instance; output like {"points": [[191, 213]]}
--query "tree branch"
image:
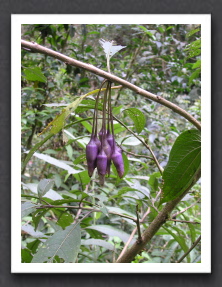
{"points": [[69, 61], [159, 220]]}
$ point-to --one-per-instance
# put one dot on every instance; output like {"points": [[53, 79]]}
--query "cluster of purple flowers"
{"points": [[102, 149]]}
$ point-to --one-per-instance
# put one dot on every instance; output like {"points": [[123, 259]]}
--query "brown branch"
{"points": [[69, 61], [159, 220]]}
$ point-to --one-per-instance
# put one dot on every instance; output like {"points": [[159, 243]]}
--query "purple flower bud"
{"points": [[98, 143], [118, 161], [110, 140], [102, 162], [91, 155]]}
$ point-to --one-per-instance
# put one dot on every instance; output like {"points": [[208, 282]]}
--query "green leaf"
{"points": [[80, 158], [58, 123], [192, 32], [44, 186], [194, 75], [56, 162], [34, 74], [26, 255], [150, 34], [83, 177], [138, 118], [153, 181], [85, 124], [64, 218], [36, 217], [27, 208], [98, 242], [197, 64], [111, 231], [183, 165], [179, 238], [63, 243]]}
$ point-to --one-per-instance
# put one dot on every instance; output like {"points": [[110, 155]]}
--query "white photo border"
{"points": [[20, 19]]}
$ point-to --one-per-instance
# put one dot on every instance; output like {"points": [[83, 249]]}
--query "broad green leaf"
{"points": [[149, 33], [64, 218], [194, 75], [98, 242], [183, 165], [153, 181], [192, 32], [83, 177], [51, 194], [34, 74], [122, 191], [44, 186], [85, 124], [111, 231], [36, 216], [138, 118], [191, 227], [26, 255], [197, 64], [56, 162], [179, 239], [64, 243], [58, 123], [121, 211], [27, 208], [80, 158]]}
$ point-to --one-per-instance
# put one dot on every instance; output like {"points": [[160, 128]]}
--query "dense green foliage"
{"points": [[66, 215]]}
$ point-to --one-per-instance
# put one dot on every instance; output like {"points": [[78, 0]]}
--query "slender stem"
{"points": [[146, 145], [191, 248], [95, 115], [132, 234], [138, 225], [185, 209], [38, 48], [183, 221], [137, 155]]}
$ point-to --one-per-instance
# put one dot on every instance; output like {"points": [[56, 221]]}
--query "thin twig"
{"points": [[132, 234], [158, 221], [185, 209], [143, 142], [138, 225], [38, 48], [137, 155], [191, 248], [183, 221]]}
